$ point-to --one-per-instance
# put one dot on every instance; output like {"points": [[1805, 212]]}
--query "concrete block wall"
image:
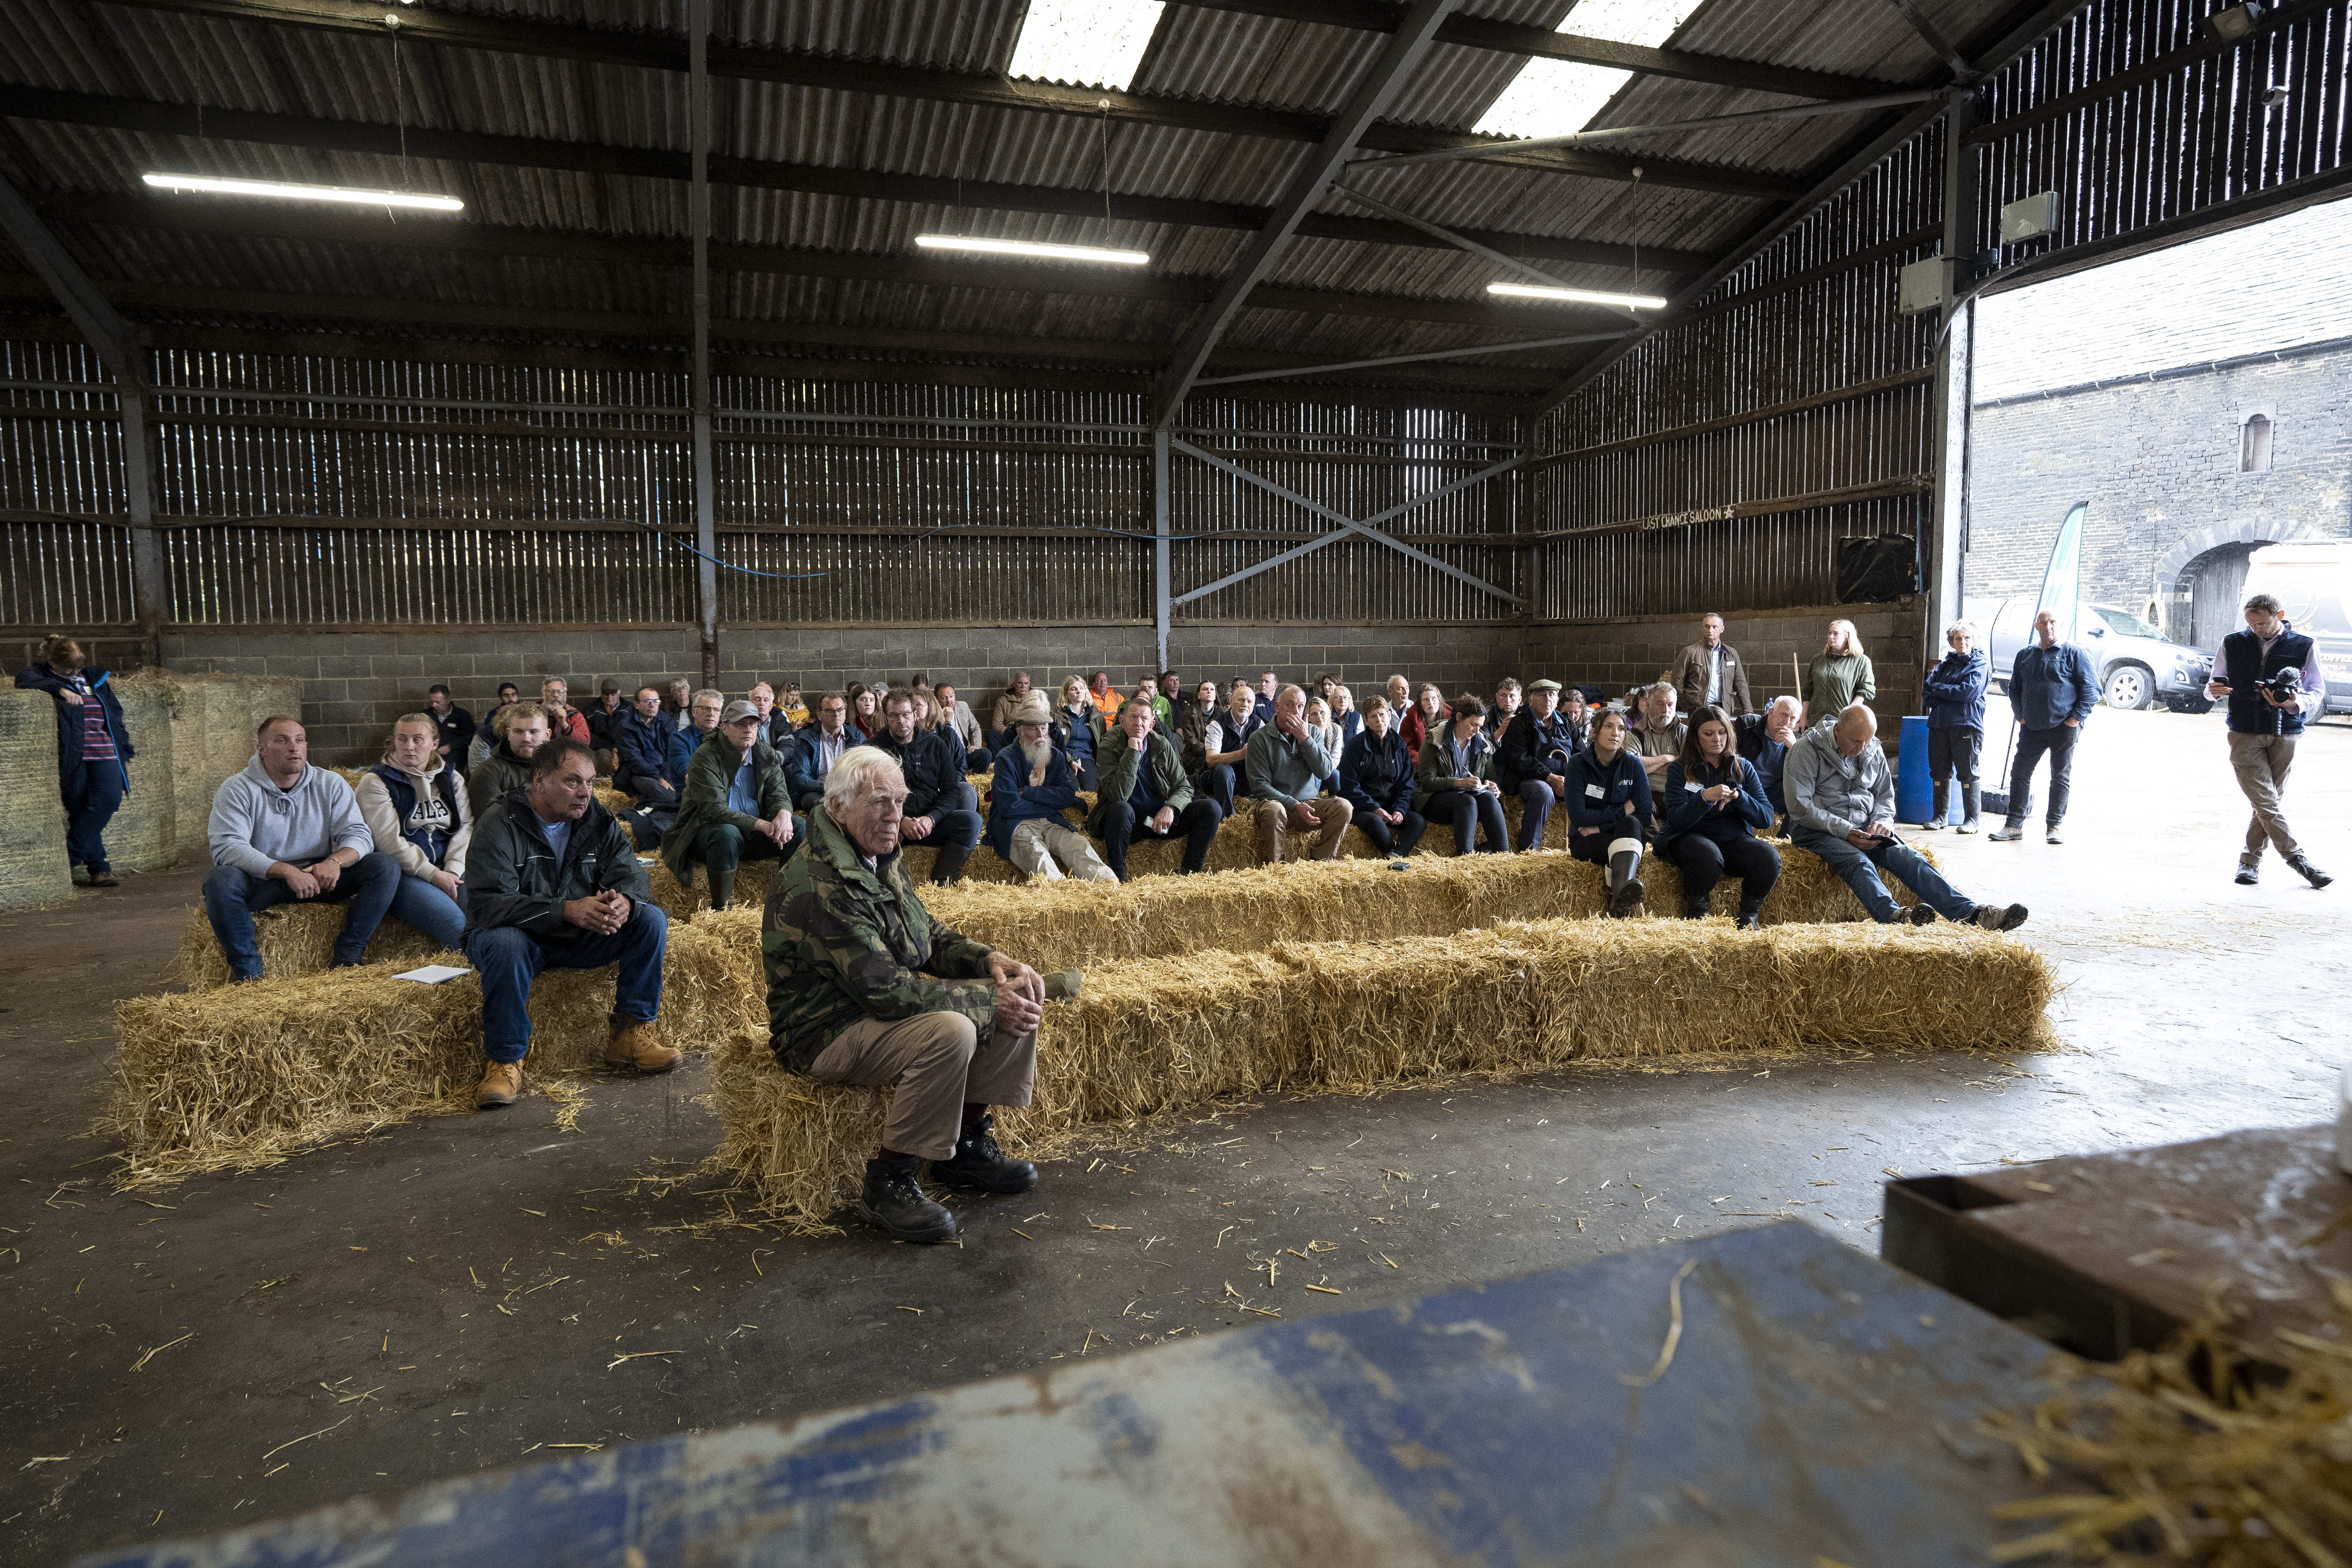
{"points": [[356, 683]]}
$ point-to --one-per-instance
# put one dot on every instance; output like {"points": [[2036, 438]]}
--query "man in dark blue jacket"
{"points": [[93, 754], [643, 762], [2052, 690], [2263, 726], [941, 810], [1532, 762]]}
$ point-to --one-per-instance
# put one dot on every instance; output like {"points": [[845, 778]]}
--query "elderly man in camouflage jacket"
{"points": [[863, 987]]}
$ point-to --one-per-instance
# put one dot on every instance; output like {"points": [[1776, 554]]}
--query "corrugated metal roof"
{"points": [[1199, 56]]}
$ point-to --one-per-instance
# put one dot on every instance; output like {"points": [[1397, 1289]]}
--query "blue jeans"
{"points": [[422, 907], [89, 811], [232, 899], [1858, 868], [1535, 809], [508, 958]]}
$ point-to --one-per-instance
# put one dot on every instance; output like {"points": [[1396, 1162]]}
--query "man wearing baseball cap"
{"points": [[737, 806]]}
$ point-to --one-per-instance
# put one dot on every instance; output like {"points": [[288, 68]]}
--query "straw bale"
{"points": [[144, 834], [32, 870], [246, 1076], [752, 879], [618, 801], [294, 940], [192, 782], [1156, 1034]]}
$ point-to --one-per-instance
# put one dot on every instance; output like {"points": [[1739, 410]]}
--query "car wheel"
{"points": [[2130, 687]]}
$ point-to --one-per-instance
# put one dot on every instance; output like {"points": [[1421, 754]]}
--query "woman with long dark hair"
{"points": [[1714, 805]]}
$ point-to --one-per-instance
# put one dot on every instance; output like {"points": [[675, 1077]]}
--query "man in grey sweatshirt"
{"points": [[283, 829]]}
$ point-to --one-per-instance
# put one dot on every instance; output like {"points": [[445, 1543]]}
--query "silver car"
{"points": [[2138, 666]]}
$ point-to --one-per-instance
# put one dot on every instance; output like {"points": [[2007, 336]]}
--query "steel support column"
{"points": [[1948, 431], [1160, 576], [121, 347], [706, 526]]}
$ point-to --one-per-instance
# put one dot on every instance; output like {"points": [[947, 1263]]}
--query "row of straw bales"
{"points": [[1342, 901], [1157, 1035]]}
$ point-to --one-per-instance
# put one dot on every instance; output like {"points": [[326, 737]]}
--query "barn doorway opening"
{"points": [[2203, 609]]}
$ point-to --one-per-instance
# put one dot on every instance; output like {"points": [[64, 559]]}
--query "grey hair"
{"points": [[2266, 603], [852, 771], [1282, 692], [1957, 627], [710, 692], [1665, 686], [1783, 698]]}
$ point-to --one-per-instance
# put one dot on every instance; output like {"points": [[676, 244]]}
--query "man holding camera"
{"points": [[2268, 673]]}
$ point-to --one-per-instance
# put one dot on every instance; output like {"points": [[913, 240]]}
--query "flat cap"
{"points": [[739, 711]]}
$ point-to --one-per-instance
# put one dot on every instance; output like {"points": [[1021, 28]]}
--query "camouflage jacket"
{"points": [[841, 943]]}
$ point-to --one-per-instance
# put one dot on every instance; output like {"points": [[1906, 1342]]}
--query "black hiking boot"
{"points": [[894, 1201], [980, 1164]]}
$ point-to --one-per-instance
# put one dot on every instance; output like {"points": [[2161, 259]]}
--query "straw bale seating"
{"points": [[241, 1076], [1156, 1034]]}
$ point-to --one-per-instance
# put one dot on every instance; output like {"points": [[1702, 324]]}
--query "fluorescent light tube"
{"points": [[1579, 296], [305, 193], [1032, 248]]}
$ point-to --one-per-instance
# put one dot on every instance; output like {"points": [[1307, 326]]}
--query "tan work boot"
{"points": [[501, 1081], [638, 1046]]}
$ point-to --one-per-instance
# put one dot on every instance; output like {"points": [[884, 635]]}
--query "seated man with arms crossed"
{"points": [[552, 882], [283, 829], [1035, 784], [1286, 766], [865, 988], [1841, 807], [818, 746], [1143, 790], [942, 812], [1532, 760], [737, 806]]}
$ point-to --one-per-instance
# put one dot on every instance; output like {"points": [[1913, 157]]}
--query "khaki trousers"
{"points": [[2261, 762], [1039, 842], [938, 1065], [1275, 821]]}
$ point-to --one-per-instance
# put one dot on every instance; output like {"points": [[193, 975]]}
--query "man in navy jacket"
{"points": [[2263, 726], [2052, 690]]}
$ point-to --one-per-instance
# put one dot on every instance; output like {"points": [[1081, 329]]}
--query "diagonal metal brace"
{"points": [[1348, 526]]}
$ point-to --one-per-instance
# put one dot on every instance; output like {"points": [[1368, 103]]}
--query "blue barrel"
{"points": [[1913, 800]]}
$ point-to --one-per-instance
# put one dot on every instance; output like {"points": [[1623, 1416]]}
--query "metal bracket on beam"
{"points": [[1612, 132], [1296, 371], [1348, 526]]}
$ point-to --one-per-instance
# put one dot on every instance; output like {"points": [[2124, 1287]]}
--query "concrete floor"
{"points": [[456, 1294]]}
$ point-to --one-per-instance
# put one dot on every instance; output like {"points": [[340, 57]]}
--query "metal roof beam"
{"points": [[1849, 163], [662, 51], [1397, 57], [1541, 43], [356, 228], [145, 116]]}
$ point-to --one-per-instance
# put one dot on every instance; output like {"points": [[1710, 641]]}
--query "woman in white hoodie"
{"points": [[414, 806]]}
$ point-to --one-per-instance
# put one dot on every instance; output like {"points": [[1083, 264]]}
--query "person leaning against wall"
{"points": [[93, 752]]}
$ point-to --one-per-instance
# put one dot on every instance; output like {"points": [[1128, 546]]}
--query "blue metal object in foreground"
{"points": [[1817, 1406]]}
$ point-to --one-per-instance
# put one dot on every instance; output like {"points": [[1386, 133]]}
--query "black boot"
{"points": [[1971, 796], [2309, 872], [980, 1163], [1751, 914], [894, 1200], [950, 865], [1943, 804], [1698, 909]]}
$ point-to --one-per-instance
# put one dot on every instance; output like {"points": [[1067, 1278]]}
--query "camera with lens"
{"points": [[2287, 686]]}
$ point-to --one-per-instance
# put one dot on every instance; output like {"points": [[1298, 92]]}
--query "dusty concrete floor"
{"points": [[456, 1294]]}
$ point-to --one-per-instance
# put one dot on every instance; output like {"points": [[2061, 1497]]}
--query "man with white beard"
{"points": [[1034, 786]]}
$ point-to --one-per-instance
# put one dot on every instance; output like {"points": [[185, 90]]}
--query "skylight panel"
{"points": [[1553, 98], [1085, 42]]}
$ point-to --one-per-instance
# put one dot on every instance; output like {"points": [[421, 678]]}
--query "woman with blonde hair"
{"points": [[1839, 675], [417, 810], [93, 752], [1319, 724], [1078, 727]]}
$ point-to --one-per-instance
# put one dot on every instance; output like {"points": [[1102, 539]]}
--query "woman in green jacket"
{"points": [[1839, 675], [1453, 786]]}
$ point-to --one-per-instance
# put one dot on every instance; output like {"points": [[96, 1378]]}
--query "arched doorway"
{"points": [[2204, 607]]}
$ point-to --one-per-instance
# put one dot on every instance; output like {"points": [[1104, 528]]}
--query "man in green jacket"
{"points": [[1141, 788], [863, 987], [552, 882], [736, 806]]}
